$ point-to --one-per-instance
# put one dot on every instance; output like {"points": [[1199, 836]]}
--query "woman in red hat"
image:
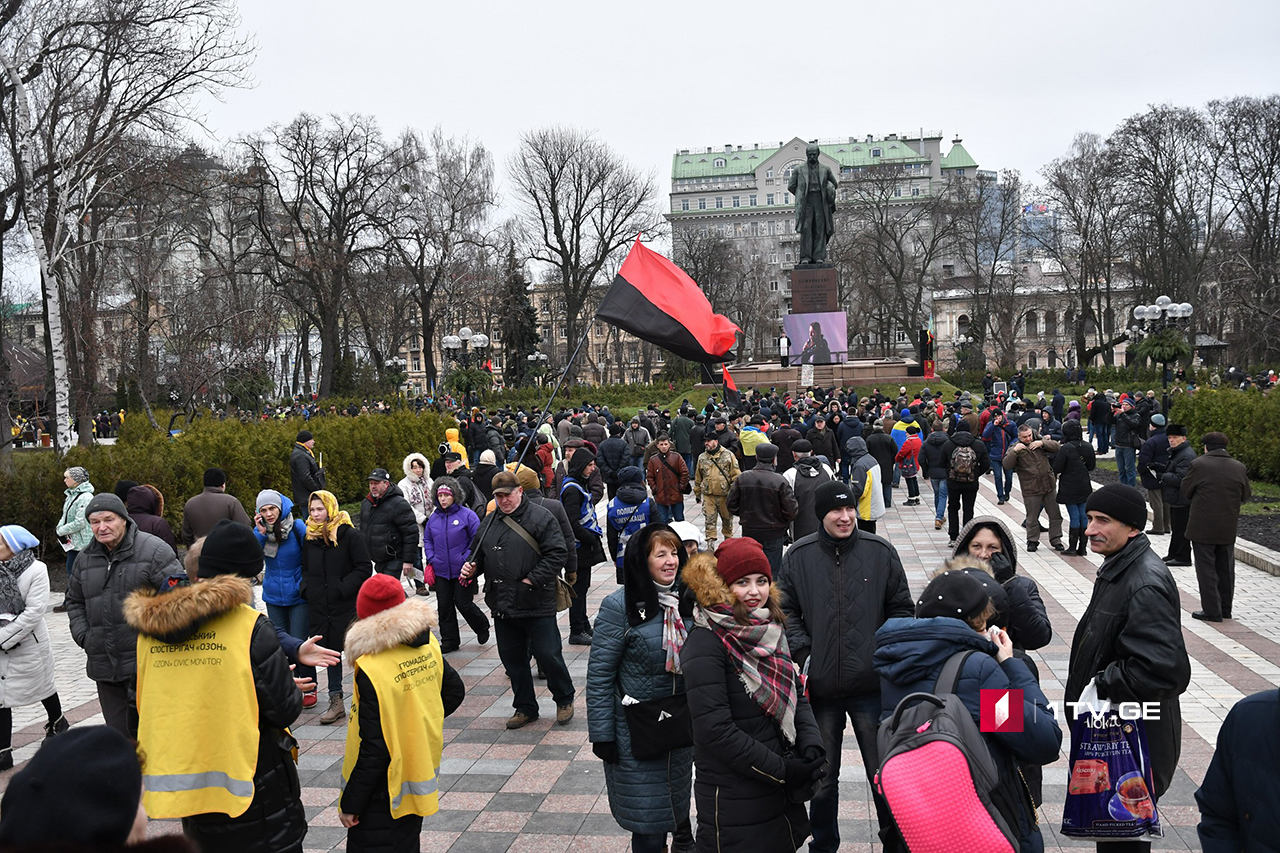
{"points": [[757, 749]]}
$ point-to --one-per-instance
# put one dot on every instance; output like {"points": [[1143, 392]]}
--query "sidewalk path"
{"points": [[540, 788]]}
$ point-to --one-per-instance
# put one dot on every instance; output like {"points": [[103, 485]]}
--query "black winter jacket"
{"points": [[836, 594], [1073, 463], [1154, 454], [1180, 459], [1238, 799], [737, 749], [763, 501], [1130, 428], [275, 819], [99, 585], [931, 456], [586, 542], [614, 456], [556, 508], [306, 476], [965, 439], [824, 444], [331, 579], [883, 449], [389, 528], [1130, 639], [506, 560]]}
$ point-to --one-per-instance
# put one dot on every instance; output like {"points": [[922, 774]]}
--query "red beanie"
{"points": [[378, 593], [740, 556]]}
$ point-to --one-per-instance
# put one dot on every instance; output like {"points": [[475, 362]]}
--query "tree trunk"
{"points": [[50, 287]]}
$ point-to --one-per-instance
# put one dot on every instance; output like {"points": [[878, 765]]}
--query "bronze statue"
{"points": [[814, 187]]}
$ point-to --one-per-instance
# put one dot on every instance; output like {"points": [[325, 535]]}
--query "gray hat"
{"points": [[106, 502], [1157, 419]]}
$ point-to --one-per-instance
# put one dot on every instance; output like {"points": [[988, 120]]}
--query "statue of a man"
{"points": [[814, 187]]}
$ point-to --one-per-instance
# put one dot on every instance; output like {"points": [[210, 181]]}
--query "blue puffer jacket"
{"points": [[644, 796], [446, 540], [282, 580], [909, 656]]}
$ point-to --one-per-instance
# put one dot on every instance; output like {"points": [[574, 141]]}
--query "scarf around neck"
{"points": [[759, 653], [327, 531], [674, 632], [12, 601]]}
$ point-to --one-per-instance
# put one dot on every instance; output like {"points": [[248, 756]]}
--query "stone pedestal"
{"points": [[814, 289]]}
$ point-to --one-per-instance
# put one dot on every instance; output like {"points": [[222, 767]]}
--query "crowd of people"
{"points": [[724, 670]]}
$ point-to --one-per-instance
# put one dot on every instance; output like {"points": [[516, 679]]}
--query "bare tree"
{"points": [[580, 205]]}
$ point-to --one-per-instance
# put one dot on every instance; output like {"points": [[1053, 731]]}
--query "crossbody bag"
{"points": [[564, 593]]}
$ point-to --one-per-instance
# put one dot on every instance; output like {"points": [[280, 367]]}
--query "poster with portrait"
{"points": [[817, 338]]}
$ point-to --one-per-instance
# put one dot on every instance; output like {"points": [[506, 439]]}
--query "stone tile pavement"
{"points": [[540, 788]]}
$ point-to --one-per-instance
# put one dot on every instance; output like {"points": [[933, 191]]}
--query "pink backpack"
{"points": [[936, 773]]}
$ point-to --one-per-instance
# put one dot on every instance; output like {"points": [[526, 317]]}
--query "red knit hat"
{"points": [[378, 593], [740, 556]]}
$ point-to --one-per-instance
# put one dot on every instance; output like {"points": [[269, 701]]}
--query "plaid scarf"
{"points": [[760, 655], [673, 631]]}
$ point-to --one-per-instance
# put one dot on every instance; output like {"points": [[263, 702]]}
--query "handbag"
{"points": [[565, 594], [657, 725]]}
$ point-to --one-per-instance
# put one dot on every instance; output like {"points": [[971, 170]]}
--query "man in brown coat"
{"points": [[1029, 458], [206, 509], [668, 477], [1216, 485]]}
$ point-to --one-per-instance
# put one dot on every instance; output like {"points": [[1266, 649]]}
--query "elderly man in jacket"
{"points": [[1216, 485], [1129, 640], [130, 560], [389, 527], [1029, 458], [1155, 452], [1181, 455], [521, 550], [838, 586], [203, 511], [305, 472]]}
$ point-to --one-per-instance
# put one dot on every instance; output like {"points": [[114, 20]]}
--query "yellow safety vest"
{"points": [[407, 681], [198, 719]]}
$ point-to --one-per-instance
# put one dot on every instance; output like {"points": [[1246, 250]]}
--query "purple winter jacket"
{"points": [[446, 540]]}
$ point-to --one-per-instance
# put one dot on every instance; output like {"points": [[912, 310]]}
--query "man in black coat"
{"points": [[838, 586], [388, 526], [1240, 798], [520, 591], [1217, 486], [1129, 640], [1181, 455], [765, 504], [1155, 454], [614, 455], [883, 449], [305, 472]]}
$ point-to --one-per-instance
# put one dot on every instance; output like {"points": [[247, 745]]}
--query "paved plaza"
{"points": [[541, 789]]}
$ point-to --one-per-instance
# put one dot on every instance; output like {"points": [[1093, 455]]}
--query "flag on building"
{"points": [[732, 399], [656, 301]]}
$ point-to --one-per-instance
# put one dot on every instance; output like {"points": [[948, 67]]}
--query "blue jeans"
{"points": [[688, 463], [830, 714], [71, 561], [939, 498], [295, 619], [1076, 516], [1102, 433], [1125, 459], [772, 545], [539, 636], [1003, 478], [663, 514]]}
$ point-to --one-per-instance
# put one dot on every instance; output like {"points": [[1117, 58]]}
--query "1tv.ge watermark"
{"points": [[1002, 711]]}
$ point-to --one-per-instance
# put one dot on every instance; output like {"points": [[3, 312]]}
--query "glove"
{"points": [[571, 579], [1001, 568], [606, 751], [800, 772], [814, 750], [429, 575]]}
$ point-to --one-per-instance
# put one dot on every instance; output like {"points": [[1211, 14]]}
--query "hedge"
{"points": [[255, 457], [1249, 419]]}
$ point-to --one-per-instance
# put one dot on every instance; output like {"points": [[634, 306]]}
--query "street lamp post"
{"points": [[537, 364], [962, 343], [465, 349], [1160, 317]]}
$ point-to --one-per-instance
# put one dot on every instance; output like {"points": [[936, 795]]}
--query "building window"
{"points": [[768, 173], [900, 337], [960, 172], [1050, 328], [1032, 360], [948, 269], [753, 201], [417, 362], [773, 286], [562, 333], [737, 201], [719, 163], [1052, 357], [915, 191], [106, 327], [31, 331], [702, 204], [897, 192], [768, 199], [773, 257], [875, 152], [786, 257], [684, 204], [1033, 324], [719, 202]]}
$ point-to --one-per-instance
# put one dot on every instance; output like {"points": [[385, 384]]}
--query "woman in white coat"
{"points": [[26, 657]]}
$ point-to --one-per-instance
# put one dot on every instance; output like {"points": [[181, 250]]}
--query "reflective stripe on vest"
{"points": [[204, 685], [407, 681]]}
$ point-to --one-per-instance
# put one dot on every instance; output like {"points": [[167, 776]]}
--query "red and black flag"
{"points": [[656, 301], [732, 399]]}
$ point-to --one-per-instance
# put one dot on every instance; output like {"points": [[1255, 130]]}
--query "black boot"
{"points": [[1073, 541], [1084, 543]]}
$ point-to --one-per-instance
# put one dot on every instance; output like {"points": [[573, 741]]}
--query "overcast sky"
{"points": [[1016, 80]]}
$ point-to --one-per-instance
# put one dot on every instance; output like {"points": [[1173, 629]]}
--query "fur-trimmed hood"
{"points": [[175, 615], [406, 624], [408, 460], [1001, 529], [708, 588]]}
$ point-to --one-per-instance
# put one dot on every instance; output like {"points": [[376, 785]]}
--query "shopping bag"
{"points": [[1109, 790]]}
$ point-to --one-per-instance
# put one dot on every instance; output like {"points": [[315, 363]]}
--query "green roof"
{"points": [[702, 164], [958, 158]]}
